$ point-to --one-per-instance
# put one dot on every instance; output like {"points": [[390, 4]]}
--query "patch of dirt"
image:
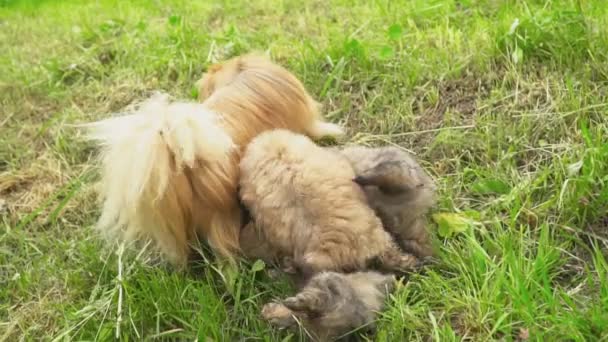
{"points": [[408, 118], [442, 104], [459, 96]]}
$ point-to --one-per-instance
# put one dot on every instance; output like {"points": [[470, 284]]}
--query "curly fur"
{"points": [[170, 169]]}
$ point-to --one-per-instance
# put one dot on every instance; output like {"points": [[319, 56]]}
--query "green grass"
{"points": [[504, 102]]}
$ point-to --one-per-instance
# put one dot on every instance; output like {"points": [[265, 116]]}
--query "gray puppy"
{"points": [[331, 305], [400, 192]]}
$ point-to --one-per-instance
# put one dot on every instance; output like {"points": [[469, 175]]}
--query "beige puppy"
{"points": [[306, 207], [170, 168], [400, 192], [333, 304]]}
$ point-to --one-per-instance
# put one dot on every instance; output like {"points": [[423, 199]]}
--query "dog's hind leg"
{"points": [[416, 239], [279, 315], [393, 259], [309, 301]]}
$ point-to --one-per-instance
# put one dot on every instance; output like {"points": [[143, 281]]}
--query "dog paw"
{"points": [[288, 265], [296, 303], [316, 262], [406, 262], [278, 315]]}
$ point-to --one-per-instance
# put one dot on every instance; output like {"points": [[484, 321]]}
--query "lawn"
{"points": [[504, 102]]}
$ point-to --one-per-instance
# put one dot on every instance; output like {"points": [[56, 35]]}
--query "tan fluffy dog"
{"points": [[306, 207], [170, 169]]}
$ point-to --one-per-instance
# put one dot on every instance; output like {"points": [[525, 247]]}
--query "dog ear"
{"points": [[392, 177], [389, 189]]}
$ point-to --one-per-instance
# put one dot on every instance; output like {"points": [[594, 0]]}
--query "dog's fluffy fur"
{"points": [[170, 169], [333, 304], [305, 206], [399, 190]]}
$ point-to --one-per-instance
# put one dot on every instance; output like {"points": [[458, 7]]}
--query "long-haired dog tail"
{"points": [[147, 157]]}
